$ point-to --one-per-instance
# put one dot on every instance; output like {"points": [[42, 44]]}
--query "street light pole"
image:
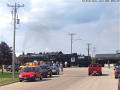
{"points": [[15, 7]]}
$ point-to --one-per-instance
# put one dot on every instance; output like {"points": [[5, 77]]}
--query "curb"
{"points": [[8, 83]]}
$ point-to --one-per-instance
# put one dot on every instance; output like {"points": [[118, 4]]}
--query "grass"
{"points": [[6, 77]]}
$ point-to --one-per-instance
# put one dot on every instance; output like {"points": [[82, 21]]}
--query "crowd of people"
{"points": [[59, 64]]}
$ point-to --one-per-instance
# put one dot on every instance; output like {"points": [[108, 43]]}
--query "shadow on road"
{"points": [[55, 76], [105, 74], [44, 79], [101, 75]]}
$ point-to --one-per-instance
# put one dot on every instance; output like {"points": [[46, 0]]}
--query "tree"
{"points": [[5, 54]]}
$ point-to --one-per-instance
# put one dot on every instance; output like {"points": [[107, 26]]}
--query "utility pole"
{"points": [[93, 52], [71, 41], [14, 12], [88, 49]]}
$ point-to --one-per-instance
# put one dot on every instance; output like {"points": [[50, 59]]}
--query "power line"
{"points": [[14, 7]]}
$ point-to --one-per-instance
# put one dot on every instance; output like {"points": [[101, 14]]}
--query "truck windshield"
{"points": [[28, 70]]}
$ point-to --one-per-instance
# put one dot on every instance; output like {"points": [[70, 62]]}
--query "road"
{"points": [[70, 79]]}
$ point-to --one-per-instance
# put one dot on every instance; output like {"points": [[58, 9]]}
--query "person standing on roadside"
{"points": [[65, 64], [61, 66]]}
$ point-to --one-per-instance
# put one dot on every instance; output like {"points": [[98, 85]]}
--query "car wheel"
{"points": [[41, 77], [50, 75], [20, 80], [46, 76], [34, 79], [58, 73]]}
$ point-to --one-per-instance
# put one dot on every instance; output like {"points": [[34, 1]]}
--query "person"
{"points": [[65, 64], [51, 63], [61, 66]]}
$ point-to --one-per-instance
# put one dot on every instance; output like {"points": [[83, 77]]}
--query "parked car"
{"points": [[55, 70], [95, 69], [46, 70], [117, 72], [9, 68], [30, 73], [116, 65], [119, 84]]}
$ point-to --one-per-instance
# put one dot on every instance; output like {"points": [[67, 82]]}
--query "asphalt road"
{"points": [[70, 79]]}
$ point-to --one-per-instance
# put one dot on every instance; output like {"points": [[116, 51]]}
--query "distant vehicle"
{"points": [[46, 70], [30, 73], [116, 65], [55, 70], [95, 69], [9, 68], [27, 64], [117, 72]]}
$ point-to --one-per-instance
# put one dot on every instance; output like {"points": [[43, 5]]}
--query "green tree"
{"points": [[5, 54]]}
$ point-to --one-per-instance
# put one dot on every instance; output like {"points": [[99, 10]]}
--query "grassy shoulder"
{"points": [[6, 77]]}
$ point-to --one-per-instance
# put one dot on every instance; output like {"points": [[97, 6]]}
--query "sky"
{"points": [[45, 26]]}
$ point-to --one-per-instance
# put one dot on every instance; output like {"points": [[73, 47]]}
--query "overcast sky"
{"points": [[45, 25]]}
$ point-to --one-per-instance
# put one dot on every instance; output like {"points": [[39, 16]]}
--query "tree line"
{"points": [[5, 54]]}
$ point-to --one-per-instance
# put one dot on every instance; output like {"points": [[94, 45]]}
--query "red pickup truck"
{"points": [[95, 69]]}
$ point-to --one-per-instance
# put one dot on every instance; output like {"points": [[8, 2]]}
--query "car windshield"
{"points": [[54, 67], [28, 70], [95, 65], [43, 67], [118, 69]]}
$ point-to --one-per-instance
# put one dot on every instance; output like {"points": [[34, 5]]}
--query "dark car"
{"points": [[55, 70], [46, 70], [9, 68], [30, 73]]}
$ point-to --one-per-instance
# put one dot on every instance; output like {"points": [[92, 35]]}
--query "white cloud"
{"points": [[45, 25]]}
